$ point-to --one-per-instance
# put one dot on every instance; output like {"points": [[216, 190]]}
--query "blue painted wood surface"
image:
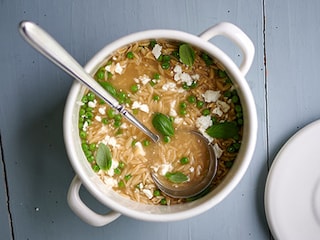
{"points": [[35, 171]]}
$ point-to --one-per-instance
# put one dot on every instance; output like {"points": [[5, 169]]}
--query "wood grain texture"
{"points": [[33, 92]]}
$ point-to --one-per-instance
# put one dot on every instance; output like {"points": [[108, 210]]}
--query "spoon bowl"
{"points": [[190, 188]]}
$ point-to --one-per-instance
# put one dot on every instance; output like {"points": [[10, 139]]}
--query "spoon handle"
{"points": [[51, 49]]}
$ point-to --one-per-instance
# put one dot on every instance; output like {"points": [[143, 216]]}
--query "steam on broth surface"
{"points": [[170, 87]]}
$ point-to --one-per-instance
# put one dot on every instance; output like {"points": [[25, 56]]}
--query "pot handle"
{"points": [[82, 211], [235, 34]]}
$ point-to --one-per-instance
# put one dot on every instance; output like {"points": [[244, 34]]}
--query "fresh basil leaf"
{"points": [[187, 54], [104, 157], [223, 130], [109, 88], [176, 177], [163, 124]]}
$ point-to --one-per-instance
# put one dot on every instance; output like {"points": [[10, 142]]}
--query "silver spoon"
{"points": [[45, 44]]}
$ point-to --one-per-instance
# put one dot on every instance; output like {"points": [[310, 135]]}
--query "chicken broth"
{"points": [[171, 87]]}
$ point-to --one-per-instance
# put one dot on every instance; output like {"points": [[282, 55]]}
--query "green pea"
{"points": [[91, 96], [182, 112], [192, 99], [238, 108], [85, 147], [117, 171], [235, 99], [111, 113], [227, 94], [80, 125], [166, 58], [184, 160], [104, 120], [156, 193], [206, 112], [100, 74], [89, 115], [134, 88], [163, 201], [83, 134], [84, 99], [82, 111], [237, 145], [121, 184], [117, 123], [156, 97], [153, 43], [240, 121], [121, 165], [156, 76], [146, 143], [127, 177], [221, 73], [165, 65], [200, 104], [130, 55], [228, 164], [95, 168], [183, 105], [92, 146], [88, 153], [231, 149], [90, 158], [118, 117], [166, 139]]}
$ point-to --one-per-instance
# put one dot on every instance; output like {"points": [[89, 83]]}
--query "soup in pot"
{"points": [[171, 87]]}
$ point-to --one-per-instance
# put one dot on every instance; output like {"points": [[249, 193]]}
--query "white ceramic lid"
{"points": [[292, 194]]}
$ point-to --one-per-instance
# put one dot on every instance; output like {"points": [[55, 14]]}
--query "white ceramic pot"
{"points": [[111, 199]]}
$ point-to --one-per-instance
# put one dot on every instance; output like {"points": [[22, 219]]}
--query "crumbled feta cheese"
{"points": [[140, 186], [173, 113], [195, 77], [118, 68], [204, 122], [211, 96], [109, 181], [177, 69], [218, 151], [79, 103], [144, 79], [156, 51], [148, 193], [124, 126], [110, 141], [139, 149], [178, 120], [164, 168], [185, 77], [102, 110], [169, 86], [191, 169], [85, 126], [98, 118], [92, 104], [142, 107], [217, 111], [223, 106], [108, 68]]}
